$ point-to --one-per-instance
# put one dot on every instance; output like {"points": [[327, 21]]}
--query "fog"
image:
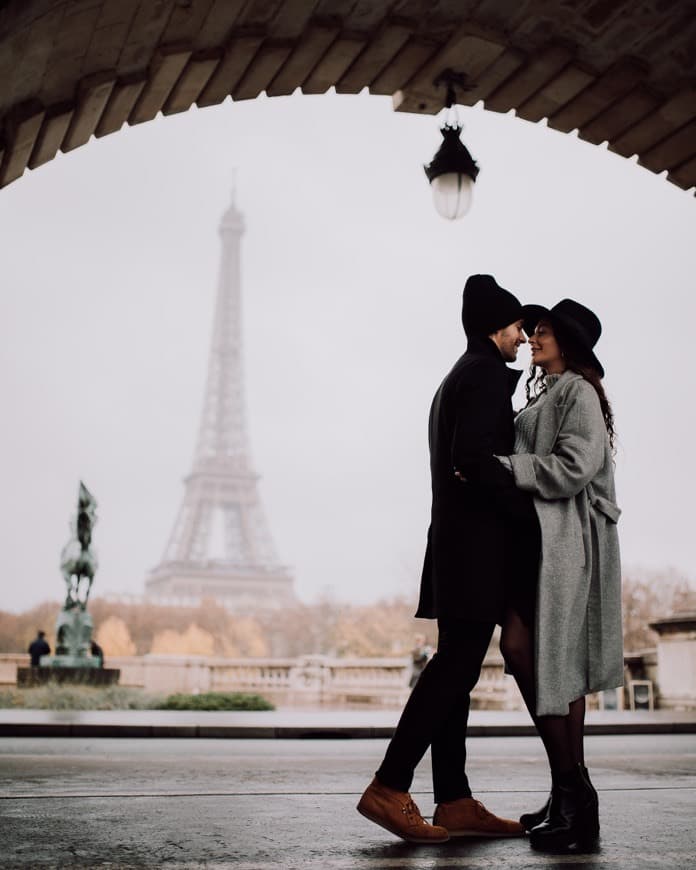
{"points": [[351, 297]]}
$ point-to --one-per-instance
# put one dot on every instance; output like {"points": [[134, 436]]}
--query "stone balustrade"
{"points": [[316, 680], [304, 681]]}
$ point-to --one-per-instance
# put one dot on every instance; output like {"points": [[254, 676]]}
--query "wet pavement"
{"points": [[252, 804]]}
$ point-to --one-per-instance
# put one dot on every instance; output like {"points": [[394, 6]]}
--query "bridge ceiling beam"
{"points": [[623, 73]]}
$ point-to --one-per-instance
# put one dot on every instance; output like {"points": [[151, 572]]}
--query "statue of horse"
{"points": [[78, 561]]}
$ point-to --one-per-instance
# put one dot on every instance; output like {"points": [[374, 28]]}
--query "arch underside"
{"points": [[619, 72]]}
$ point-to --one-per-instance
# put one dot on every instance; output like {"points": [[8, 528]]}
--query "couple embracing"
{"points": [[523, 534]]}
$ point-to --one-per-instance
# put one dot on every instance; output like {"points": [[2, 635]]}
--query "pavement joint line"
{"points": [[423, 859], [255, 794]]}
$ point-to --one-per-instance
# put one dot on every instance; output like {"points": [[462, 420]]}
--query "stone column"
{"points": [[676, 661]]}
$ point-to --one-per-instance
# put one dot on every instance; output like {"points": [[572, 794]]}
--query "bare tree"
{"points": [[649, 595]]}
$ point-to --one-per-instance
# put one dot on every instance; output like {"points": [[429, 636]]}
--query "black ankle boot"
{"points": [[572, 824], [531, 820], [586, 777]]}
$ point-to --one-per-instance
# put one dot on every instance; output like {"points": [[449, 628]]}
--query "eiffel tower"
{"points": [[220, 546]]}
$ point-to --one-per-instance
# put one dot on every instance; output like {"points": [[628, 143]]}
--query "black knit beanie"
{"points": [[487, 307]]}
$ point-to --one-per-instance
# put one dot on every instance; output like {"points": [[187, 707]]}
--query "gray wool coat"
{"points": [[570, 472]]}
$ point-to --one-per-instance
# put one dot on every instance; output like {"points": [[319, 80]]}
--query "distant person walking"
{"points": [[464, 575], [562, 635], [37, 648], [420, 656]]}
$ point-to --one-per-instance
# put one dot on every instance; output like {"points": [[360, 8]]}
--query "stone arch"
{"points": [[616, 71]]}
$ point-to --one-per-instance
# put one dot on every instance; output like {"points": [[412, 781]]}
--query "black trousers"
{"points": [[437, 711]]}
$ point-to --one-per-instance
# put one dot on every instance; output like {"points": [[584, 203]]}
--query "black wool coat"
{"points": [[468, 554], [37, 648]]}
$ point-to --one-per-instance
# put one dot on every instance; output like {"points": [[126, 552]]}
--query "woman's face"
{"points": [[545, 350]]}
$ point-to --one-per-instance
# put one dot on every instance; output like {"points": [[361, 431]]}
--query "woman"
{"points": [[562, 636]]}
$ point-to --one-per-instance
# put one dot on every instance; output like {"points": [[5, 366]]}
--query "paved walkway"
{"points": [[293, 723], [289, 804]]}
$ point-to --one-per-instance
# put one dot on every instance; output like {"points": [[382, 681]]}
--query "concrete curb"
{"points": [[316, 732]]}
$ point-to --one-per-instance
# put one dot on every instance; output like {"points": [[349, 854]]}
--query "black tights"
{"points": [[562, 736]]}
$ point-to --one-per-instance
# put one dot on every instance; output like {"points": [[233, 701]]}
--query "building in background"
{"points": [[221, 546]]}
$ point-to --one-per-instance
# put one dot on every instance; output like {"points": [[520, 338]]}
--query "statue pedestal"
{"points": [[73, 637], [69, 661], [87, 674]]}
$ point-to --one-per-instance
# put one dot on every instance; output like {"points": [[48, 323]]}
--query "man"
{"points": [[474, 503], [37, 648]]}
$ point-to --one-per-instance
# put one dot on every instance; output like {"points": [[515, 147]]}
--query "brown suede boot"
{"points": [[467, 817], [395, 811]]}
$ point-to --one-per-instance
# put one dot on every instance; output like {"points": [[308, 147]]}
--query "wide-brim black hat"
{"points": [[577, 321]]}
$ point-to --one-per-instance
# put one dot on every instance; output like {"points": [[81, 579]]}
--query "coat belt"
{"points": [[608, 508]]}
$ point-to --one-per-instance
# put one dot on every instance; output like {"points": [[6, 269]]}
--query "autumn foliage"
{"points": [[384, 628]]}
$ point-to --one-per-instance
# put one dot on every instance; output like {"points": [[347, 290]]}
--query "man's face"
{"points": [[509, 339]]}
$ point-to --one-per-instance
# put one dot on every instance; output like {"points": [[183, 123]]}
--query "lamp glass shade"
{"points": [[452, 194]]}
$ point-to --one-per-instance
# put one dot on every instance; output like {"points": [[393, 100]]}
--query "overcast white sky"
{"points": [[352, 287]]}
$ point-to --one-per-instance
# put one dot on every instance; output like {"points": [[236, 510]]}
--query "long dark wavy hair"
{"points": [[576, 360]]}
